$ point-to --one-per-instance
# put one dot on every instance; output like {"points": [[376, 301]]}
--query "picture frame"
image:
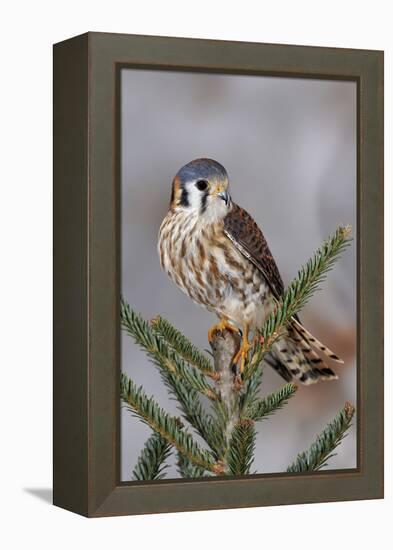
{"points": [[86, 477]]}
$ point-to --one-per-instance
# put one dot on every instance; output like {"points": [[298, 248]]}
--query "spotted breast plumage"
{"points": [[214, 251]]}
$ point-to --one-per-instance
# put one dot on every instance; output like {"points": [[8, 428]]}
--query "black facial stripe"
{"points": [[172, 194], [204, 201], [184, 197]]}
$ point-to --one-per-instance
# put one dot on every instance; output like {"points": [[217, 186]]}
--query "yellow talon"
{"points": [[242, 354], [222, 325]]}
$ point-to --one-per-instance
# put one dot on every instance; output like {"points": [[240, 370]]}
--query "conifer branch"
{"points": [[302, 288], [179, 386], [151, 461], [179, 343], [224, 418], [250, 391], [167, 426], [224, 346], [322, 449], [262, 408], [188, 470], [240, 455], [195, 414], [161, 355]]}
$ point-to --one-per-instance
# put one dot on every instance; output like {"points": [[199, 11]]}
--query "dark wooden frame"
{"points": [[86, 273]]}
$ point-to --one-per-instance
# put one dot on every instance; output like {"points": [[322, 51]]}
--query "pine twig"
{"points": [[179, 343], [262, 408], [195, 414], [250, 391], [160, 354], [322, 449], [165, 425], [188, 470], [151, 461], [300, 291], [240, 455], [181, 387]]}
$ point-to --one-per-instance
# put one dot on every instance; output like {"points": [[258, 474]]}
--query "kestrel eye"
{"points": [[202, 185]]}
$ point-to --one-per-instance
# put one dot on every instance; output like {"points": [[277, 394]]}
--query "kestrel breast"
{"points": [[205, 265]]}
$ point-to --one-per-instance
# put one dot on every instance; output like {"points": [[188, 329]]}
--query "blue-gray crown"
{"points": [[202, 169]]}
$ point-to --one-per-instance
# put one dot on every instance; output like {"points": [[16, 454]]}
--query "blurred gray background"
{"points": [[289, 146]]}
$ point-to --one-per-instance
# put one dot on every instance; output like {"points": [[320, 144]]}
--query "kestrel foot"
{"points": [[242, 354], [222, 325]]}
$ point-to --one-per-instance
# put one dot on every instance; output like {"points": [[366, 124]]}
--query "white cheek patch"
{"points": [[194, 198]]}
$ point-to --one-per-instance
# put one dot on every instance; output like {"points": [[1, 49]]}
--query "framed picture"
{"points": [[218, 274]]}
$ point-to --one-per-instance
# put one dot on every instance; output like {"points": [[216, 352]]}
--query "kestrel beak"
{"points": [[224, 195]]}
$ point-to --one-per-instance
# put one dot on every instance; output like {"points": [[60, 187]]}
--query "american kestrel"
{"points": [[214, 252]]}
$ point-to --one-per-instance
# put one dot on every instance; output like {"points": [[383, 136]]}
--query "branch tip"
{"points": [[349, 410], [345, 230], [219, 467], [153, 322]]}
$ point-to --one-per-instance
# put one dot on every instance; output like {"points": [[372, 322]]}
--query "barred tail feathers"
{"points": [[310, 339], [294, 359]]}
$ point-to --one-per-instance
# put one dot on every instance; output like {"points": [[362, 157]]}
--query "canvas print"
{"points": [[238, 275]]}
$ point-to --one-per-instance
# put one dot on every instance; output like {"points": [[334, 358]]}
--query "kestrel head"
{"points": [[201, 187]]}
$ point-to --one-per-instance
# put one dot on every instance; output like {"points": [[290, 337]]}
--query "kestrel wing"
{"points": [[245, 234]]}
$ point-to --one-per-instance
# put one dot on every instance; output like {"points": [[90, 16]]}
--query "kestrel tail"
{"points": [[214, 252]]}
